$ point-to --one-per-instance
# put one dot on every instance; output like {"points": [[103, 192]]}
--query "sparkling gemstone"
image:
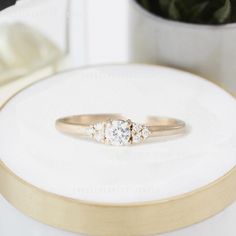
{"points": [[145, 132], [118, 132], [137, 128], [91, 131], [137, 138], [139, 133], [136, 133], [97, 131]]}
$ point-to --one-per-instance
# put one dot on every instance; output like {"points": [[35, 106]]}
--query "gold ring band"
{"points": [[117, 129]]}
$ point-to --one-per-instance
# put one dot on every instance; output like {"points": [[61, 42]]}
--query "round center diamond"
{"points": [[118, 132]]}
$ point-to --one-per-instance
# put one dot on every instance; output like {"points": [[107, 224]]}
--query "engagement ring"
{"points": [[117, 130]]}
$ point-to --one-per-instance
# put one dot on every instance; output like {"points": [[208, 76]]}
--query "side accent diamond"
{"points": [[97, 131], [91, 131], [139, 133]]}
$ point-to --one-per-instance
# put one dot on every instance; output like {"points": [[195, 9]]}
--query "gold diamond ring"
{"points": [[118, 130]]}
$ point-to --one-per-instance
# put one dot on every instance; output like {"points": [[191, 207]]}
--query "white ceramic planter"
{"points": [[209, 51]]}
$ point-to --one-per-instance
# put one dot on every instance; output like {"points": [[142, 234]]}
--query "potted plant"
{"points": [[194, 35]]}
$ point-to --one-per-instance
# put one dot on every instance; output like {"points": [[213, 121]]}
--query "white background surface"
{"points": [[98, 29], [93, 38]]}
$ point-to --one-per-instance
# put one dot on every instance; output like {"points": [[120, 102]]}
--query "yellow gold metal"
{"points": [[100, 219]]}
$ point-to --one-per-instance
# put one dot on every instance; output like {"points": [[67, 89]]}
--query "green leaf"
{"points": [[197, 11], [183, 7], [194, 11], [233, 11], [164, 4], [223, 13], [146, 4], [173, 11]]}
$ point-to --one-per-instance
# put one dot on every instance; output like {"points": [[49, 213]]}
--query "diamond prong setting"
{"points": [[118, 132]]}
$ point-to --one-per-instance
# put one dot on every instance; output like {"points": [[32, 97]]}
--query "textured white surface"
{"points": [[34, 150]]}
